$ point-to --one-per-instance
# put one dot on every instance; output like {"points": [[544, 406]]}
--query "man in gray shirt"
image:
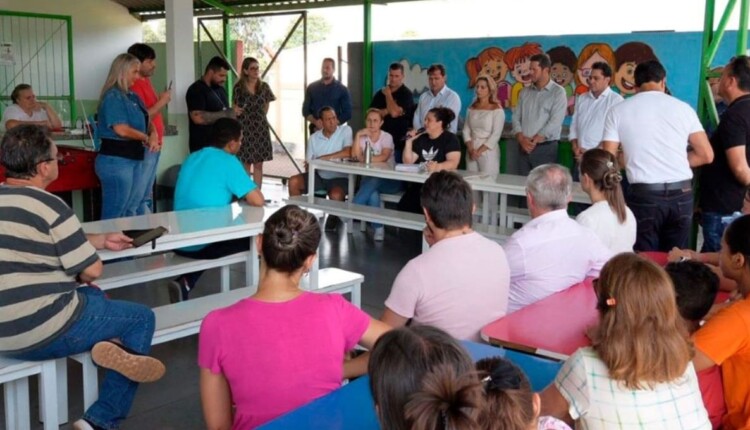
{"points": [[538, 117]]}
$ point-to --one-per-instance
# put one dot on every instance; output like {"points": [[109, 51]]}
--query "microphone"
{"points": [[419, 131]]}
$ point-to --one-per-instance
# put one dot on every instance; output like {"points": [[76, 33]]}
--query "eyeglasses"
{"points": [[254, 68], [57, 158]]}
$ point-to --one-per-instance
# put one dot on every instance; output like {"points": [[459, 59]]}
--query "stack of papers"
{"points": [[413, 168]]}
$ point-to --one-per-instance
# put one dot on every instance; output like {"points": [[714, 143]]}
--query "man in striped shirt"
{"points": [[44, 259]]}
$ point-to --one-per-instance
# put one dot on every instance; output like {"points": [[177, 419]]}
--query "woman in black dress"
{"points": [[253, 96], [437, 147]]}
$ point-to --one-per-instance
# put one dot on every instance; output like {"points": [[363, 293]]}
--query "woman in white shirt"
{"points": [[483, 128], [608, 216], [26, 109], [637, 373]]}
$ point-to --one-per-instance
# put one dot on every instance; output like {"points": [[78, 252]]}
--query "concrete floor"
{"points": [[174, 401]]}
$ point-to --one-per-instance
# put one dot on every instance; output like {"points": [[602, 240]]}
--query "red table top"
{"points": [[554, 327]]}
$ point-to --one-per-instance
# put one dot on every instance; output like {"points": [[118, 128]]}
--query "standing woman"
{"points": [[126, 132], [483, 128], [436, 146], [253, 96], [608, 215]]}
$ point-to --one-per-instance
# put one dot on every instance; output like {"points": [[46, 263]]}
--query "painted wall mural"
{"points": [[507, 60]]}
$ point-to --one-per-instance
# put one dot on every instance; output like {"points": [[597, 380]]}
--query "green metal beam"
{"points": [[742, 33], [710, 54], [221, 6]]}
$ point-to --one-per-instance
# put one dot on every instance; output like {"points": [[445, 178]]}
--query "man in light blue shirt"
{"points": [[332, 141], [212, 177], [438, 95]]}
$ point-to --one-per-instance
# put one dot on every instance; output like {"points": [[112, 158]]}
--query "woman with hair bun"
{"points": [[422, 379], [608, 216], [511, 405], [282, 347], [637, 373]]}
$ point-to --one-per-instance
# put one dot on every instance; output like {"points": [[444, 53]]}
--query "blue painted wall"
{"points": [[678, 52]]}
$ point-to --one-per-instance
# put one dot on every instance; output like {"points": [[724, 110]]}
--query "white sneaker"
{"points": [[82, 425], [379, 234]]}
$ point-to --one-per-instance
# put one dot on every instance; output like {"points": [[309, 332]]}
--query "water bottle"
{"points": [[368, 151]]}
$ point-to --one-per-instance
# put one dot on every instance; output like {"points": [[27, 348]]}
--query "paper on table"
{"points": [[413, 168]]}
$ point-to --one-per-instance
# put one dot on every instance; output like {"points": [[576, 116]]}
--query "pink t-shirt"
{"points": [[278, 356], [384, 142], [459, 285]]}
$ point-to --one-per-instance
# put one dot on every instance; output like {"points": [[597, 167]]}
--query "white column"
{"points": [[180, 56]]}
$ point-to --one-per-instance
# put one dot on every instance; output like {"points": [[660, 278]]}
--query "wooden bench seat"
{"points": [[168, 265], [390, 217], [14, 376]]}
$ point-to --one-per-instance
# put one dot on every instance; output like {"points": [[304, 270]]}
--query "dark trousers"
{"points": [[663, 217], [545, 152], [213, 251]]}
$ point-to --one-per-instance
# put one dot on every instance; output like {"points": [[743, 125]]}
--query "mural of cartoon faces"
{"points": [[590, 54], [628, 57], [490, 62], [518, 60], [561, 74]]}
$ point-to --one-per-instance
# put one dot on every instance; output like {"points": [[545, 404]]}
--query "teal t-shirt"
{"points": [[210, 178]]}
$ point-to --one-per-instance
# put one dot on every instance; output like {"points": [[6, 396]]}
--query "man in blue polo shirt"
{"points": [[212, 177]]}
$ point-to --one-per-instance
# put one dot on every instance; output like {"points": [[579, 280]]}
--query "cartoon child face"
{"points": [[496, 69], [521, 71], [585, 70], [561, 74], [625, 78]]}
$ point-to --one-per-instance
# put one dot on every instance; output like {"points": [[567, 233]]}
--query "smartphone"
{"points": [[170, 86], [142, 237]]}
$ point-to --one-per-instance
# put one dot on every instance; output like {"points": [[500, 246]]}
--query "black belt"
{"points": [[685, 185], [547, 142]]}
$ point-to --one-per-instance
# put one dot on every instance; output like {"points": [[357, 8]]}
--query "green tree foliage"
{"points": [[318, 28]]}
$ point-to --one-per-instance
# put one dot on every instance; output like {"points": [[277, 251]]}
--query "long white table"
{"points": [[191, 227], [502, 184]]}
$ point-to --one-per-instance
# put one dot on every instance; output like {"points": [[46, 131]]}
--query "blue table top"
{"points": [[351, 407]]}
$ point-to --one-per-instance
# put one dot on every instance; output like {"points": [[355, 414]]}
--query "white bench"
{"points": [[183, 319], [169, 265], [516, 215], [390, 217], [14, 376]]}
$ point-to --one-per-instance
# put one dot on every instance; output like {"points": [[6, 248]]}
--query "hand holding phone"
{"points": [[141, 237]]}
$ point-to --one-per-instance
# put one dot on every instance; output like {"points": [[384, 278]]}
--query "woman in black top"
{"points": [[435, 140]]}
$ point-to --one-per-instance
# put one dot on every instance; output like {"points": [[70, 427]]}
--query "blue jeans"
{"points": [[103, 319], [713, 230], [118, 177], [663, 218], [144, 184], [370, 189]]}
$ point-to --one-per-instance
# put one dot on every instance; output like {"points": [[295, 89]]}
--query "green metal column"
{"points": [[742, 32], [367, 56], [229, 54]]}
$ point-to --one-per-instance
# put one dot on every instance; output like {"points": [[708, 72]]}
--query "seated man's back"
{"points": [[461, 283], [551, 252]]}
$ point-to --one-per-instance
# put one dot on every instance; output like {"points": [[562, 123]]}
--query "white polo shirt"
{"points": [[14, 112], [320, 145], [590, 112], [653, 129]]}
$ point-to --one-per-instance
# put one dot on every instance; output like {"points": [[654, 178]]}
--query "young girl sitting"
{"points": [[281, 347], [725, 338], [511, 405], [422, 379], [637, 374], [608, 216]]}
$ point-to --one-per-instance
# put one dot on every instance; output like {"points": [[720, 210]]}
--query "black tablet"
{"points": [[141, 237]]}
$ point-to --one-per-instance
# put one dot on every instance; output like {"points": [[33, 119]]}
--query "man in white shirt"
{"points": [[538, 117], [461, 283], [438, 95], [661, 140], [591, 108], [551, 252], [332, 141]]}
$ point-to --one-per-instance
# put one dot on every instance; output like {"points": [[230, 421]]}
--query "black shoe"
{"points": [[332, 223], [178, 290]]}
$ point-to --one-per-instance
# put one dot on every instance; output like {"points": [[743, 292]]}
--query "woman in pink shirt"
{"points": [[282, 347]]}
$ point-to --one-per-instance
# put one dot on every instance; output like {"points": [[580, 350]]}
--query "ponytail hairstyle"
{"points": [[601, 166], [290, 236], [422, 379], [510, 401], [444, 115]]}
